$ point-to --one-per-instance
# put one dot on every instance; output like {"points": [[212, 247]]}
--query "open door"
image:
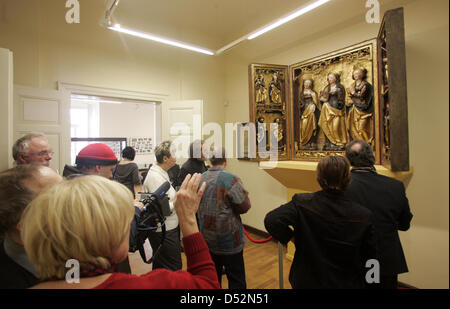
{"points": [[393, 92], [48, 112], [182, 122]]}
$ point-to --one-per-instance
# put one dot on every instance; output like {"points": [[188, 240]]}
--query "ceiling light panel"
{"points": [[301, 11]]}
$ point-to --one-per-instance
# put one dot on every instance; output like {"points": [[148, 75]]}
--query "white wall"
{"points": [[129, 120], [47, 50]]}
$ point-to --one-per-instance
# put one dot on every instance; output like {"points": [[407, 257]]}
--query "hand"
{"points": [[138, 204], [187, 201]]}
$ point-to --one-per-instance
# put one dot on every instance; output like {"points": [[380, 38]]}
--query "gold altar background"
{"points": [[341, 62]]}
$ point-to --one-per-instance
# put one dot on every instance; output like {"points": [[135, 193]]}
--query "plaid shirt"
{"points": [[219, 212]]}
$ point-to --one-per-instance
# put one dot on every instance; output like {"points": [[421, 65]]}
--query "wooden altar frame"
{"points": [[391, 146]]}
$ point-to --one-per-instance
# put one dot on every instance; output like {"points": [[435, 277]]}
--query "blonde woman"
{"points": [[87, 219]]}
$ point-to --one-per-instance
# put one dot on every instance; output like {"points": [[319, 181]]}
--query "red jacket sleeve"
{"points": [[200, 274], [200, 266]]}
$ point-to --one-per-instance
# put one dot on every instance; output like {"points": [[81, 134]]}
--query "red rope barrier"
{"points": [[254, 240]]}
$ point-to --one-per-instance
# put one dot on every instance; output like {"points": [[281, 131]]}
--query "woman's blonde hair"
{"points": [[86, 218]]}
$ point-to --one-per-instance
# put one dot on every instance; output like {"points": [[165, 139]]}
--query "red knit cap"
{"points": [[96, 154]]}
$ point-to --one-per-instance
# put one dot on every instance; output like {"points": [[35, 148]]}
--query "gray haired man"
{"points": [[32, 148], [386, 198]]}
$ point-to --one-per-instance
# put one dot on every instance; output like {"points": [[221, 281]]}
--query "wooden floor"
{"points": [[261, 265]]}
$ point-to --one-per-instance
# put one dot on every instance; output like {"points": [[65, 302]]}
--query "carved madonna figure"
{"points": [[332, 117]]}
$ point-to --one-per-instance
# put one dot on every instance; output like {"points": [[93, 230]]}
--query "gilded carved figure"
{"points": [[309, 115], [269, 111], [260, 89], [261, 136], [360, 112], [275, 90], [332, 116], [277, 133]]}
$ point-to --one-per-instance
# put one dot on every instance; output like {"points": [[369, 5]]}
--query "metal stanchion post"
{"points": [[280, 265]]}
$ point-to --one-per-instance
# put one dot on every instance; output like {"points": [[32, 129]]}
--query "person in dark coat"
{"points": [[195, 163], [94, 159], [333, 236], [386, 198], [173, 175], [127, 172]]}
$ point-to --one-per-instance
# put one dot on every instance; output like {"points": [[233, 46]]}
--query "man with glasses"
{"points": [[32, 148]]}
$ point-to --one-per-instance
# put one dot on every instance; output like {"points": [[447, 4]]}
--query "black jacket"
{"points": [[333, 239], [386, 199], [128, 175], [12, 275], [71, 171], [191, 166]]}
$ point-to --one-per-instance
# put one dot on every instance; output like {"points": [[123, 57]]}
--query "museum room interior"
{"points": [[142, 87]]}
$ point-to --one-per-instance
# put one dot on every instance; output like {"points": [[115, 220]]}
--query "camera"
{"points": [[149, 219], [155, 210]]}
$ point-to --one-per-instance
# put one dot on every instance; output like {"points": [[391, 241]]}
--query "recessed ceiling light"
{"points": [[148, 36], [287, 18], [117, 27]]}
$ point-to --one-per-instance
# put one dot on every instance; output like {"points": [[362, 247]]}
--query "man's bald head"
{"points": [[360, 154], [42, 178], [356, 147], [18, 187]]}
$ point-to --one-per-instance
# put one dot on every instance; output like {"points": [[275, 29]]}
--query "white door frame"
{"points": [[114, 93], [6, 108], [120, 94], [45, 111]]}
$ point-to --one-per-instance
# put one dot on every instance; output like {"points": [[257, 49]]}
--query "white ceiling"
{"points": [[219, 20], [213, 24]]}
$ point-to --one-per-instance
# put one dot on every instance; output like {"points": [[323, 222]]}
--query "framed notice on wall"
{"points": [[142, 145]]}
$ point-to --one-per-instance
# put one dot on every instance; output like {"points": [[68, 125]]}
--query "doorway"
{"points": [[117, 123]]}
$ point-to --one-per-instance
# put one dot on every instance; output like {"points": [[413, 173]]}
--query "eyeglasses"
{"points": [[42, 154]]}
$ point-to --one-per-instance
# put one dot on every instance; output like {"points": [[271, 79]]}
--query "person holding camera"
{"points": [[169, 255], [82, 211]]}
